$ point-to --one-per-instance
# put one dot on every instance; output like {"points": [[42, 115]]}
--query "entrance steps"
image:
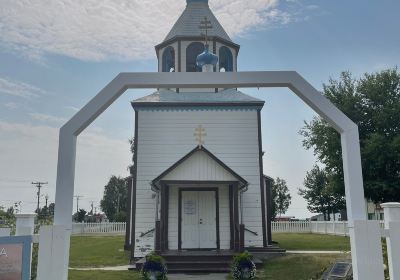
{"points": [[198, 261]]}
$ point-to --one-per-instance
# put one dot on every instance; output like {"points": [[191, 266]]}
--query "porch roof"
{"points": [[177, 170]]}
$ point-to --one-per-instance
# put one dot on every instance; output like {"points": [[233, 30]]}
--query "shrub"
{"points": [[154, 268], [243, 267]]}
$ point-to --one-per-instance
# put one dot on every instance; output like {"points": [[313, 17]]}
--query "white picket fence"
{"points": [[328, 227], [98, 228]]}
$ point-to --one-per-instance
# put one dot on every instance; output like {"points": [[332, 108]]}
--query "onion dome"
{"points": [[206, 58]]}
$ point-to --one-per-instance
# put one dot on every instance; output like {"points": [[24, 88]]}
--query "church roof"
{"points": [[167, 97], [188, 23]]}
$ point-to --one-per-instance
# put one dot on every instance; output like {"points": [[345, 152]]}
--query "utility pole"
{"points": [[91, 205], [38, 185], [47, 198], [77, 202]]}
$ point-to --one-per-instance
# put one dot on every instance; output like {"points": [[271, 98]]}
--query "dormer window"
{"points": [[168, 60], [192, 51], [225, 60]]}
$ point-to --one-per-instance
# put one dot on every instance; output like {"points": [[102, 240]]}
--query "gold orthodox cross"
{"points": [[205, 25], [200, 133]]}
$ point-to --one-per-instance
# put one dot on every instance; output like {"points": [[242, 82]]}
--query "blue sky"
{"points": [[52, 61]]}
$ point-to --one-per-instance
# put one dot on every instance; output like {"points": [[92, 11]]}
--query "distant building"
{"points": [[285, 219], [374, 210]]}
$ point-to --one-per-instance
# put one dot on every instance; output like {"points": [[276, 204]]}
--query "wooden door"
{"points": [[199, 229]]}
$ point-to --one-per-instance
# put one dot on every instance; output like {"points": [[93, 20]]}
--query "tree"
{"points": [[281, 198], [132, 149], [115, 199], [80, 216], [373, 103], [319, 195]]}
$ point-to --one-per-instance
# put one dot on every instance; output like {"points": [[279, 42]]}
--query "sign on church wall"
{"points": [[190, 207], [15, 257]]}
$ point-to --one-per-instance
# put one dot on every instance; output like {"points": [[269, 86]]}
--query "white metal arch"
{"points": [[363, 269]]}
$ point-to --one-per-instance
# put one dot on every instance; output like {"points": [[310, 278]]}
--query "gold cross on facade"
{"points": [[205, 25], [200, 133]]}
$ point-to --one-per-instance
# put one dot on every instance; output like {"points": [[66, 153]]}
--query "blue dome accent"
{"points": [[197, 1], [206, 58]]}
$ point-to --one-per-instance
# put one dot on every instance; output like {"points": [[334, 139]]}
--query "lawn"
{"points": [[100, 251], [311, 242], [97, 251], [102, 275], [298, 267]]}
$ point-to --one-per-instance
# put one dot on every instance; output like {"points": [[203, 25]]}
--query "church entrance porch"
{"points": [[199, 216]]}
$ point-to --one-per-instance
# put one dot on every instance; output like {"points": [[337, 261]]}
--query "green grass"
{"points": [[102, 275], [311, 242], [97, 251], [298, 267]]}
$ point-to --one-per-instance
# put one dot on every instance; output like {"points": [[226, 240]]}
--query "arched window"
{"points": [[225, 59], [168, 60], [192, 51]]}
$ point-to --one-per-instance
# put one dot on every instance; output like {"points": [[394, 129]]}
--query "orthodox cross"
{"points": [[200, 133], [205, 25]]}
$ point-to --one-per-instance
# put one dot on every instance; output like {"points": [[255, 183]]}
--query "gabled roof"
{"points": [[188, 23], [227, 173], [164, 97]]}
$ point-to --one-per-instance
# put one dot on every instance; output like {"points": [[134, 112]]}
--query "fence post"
{"points": [[25, 224], [392, 223]]}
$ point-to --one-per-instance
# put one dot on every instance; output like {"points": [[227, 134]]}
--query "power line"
{"points": [[39, 186], [77, 202]]}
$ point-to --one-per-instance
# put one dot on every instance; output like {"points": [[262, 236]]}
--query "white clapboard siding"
{"points": [[165, 136], [200, 167]]}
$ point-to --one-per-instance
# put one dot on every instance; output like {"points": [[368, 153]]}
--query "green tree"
{"points": [[132, 149], [115, 199], [318, 193], [373, 103], [80, 216], [281, 198]]}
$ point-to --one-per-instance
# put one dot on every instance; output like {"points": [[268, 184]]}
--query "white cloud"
{"points": [[11, 105], [18, 88], [99, 30], [29, 152], [72, 108], [47, 118]]}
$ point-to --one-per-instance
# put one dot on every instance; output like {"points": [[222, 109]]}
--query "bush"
{"points": [[154, 268], [243, 267]]}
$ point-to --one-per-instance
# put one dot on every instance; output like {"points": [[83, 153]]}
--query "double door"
{"points": [[199, 220]]}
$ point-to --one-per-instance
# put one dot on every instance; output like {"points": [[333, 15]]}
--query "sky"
{"points": [[56, 55]]}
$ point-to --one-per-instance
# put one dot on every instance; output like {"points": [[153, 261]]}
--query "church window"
{"points": [[192, 51], [225, 60], [168, 60]]}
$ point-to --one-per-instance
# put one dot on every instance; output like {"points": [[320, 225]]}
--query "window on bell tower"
{"points": [[168, 60], [225, 59], [192, 51]]}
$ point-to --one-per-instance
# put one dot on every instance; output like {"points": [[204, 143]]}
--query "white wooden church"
{"points": [[197, 187]]}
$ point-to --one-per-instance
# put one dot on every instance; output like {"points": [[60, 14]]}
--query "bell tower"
{"points": [[196, 28]]}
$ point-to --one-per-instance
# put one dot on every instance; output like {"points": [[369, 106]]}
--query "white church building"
{"points": [[197, 183]]}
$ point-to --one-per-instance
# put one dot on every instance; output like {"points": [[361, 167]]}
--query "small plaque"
{"points": [[15, 257], [340, 269], [190, 207]]}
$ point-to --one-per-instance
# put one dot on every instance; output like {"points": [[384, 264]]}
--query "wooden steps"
{"points": [[198, 261]]}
